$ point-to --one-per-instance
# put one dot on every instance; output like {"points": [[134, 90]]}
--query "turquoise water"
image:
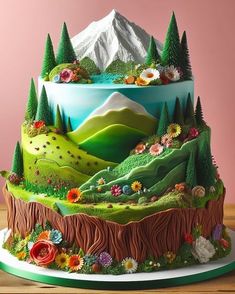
{"points": [[104, 78]]}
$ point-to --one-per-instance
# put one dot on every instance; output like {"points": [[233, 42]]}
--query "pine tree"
{"points": [[205, 167], [65, 53], [164, 121], [69, 126], [189, 117], [185, 59], [152, 53], [58, 120], [43, 111], [178, 113], [17, 163], [171, 53], [191, 173], [32, 104], [49, 58], [198, 113]]}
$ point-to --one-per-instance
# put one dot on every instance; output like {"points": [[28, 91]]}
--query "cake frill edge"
{"points": [[108, 247]]}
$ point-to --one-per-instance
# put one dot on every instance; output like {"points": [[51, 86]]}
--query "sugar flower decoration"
{"points": [[150, 74], [101, 181], [45, 235], [126, 189], [156, 149], [174, 130], [105, 259], [21, 255], [66, 75], [62, 260], [170, 256], [140, 148], [167, 140], [56, 79], [116, 190], [203, 250], [172, 73], [217, 232], [141, 82], [198, 191], [74, 195], [39, 124], [55, 236], [75, 263], [136, 186], [193, 133], [130, 265]]}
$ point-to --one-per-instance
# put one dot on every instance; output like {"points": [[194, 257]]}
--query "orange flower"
{"points": [[75, 262], [141, 82], [74, 195], [130, 80], [45, 235], [180, 187]]}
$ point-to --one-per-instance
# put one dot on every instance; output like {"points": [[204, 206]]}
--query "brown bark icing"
{"points": [[153, 235]]}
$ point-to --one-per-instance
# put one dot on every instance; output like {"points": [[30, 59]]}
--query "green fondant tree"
{"points": [[189, 117], [178, 113], [171, 53], [69, 126], [163, 121], [43, 111], [198, 113], [32, 103], [152, 53], [205, 167], [185, 59], [59, 120], [49, 58], [65, 53], [191, 172], [17, 163]]}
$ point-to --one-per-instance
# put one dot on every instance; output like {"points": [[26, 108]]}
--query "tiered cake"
{"points": [[114, 173]]}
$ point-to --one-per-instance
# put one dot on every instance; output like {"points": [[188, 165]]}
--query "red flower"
{"points": [[43, 252], [38, 124], [188, 238], [74, 195], [193, 133], [164, 79], [224, 243]]}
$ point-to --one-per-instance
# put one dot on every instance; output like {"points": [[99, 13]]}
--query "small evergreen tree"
{"points": [[32, 103], [152, 53], [164, 121], [185, 59], [49, 58], [17, 163], [189, 117], [198, 113], [171, 53], [58, 120], [69, 126], [65, 53], [191, 172], [43, 111], [178, 113], [205, 167]]}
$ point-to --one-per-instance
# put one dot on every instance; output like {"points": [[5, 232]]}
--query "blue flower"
{"points": [[90, 259], [56, 79], [126, 190], [217, 232], [56, 236]]}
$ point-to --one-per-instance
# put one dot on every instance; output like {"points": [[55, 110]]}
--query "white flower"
{"points": [[30, 245], [172, 73], [130, 265], [150, 74], [203, 250]]}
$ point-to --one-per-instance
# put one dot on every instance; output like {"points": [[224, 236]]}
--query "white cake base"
{"points": [[167, 278]]}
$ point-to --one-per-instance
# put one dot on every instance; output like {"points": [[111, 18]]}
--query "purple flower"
{"points": [[105, 259], [216, 235]]}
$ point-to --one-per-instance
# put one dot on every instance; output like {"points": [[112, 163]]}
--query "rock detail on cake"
{"points": [[114, 173]]}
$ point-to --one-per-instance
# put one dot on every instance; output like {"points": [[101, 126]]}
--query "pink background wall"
{"points": [[210, 25]]}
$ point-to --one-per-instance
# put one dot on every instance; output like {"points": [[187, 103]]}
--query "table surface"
{"points": [[225, 284]]}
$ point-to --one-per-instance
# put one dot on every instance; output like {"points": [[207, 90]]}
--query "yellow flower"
{"points": [[174, 130], [136, 186], [140, 82], [170, 256], [21, 255], [62, 260]]}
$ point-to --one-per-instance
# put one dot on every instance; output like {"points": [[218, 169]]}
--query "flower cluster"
{"points": [[34, 128], [117, 190], [72, 74]]}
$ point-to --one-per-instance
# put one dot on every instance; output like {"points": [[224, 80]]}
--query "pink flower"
{"points": [[167, 140], [116, 190], [156, 149], [193, 133], [140, 148], [66, 75]]}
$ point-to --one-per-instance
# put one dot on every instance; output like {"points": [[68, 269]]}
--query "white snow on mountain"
{"points": [[113, 37], [117, 101]]}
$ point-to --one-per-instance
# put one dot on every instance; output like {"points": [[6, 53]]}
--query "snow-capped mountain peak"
{"points": [[113, 37], [117, 101]]}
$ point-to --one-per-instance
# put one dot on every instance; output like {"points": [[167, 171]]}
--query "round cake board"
{"points": [[167, 278]]}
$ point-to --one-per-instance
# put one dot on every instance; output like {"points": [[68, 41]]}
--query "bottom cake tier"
{"points": [[86, 244]]}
